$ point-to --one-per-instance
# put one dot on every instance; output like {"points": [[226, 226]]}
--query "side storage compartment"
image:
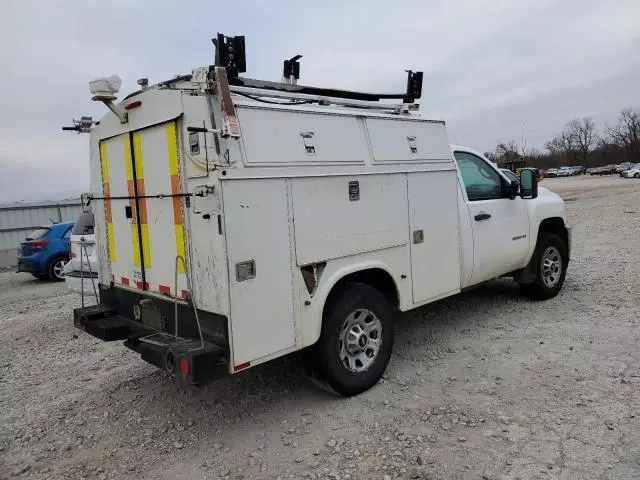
{"points": [[347, 215], [259, 243], [435, 245]]}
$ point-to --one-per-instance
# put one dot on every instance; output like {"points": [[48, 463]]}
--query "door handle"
{"points": [[482, 216], [418, 236], [128, 212]]}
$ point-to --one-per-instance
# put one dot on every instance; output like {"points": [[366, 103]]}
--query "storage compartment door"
{"points": [[433, 221], [257, 229], [116, 165]]}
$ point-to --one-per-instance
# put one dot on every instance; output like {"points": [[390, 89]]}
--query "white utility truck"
{"points": [[240, 220]]}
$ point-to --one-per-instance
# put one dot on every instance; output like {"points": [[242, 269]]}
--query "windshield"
{"points": [[84, 224], [38, 233]]}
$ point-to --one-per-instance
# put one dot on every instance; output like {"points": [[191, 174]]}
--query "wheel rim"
{"points": [[360, 340], [551, 267], [58, 269]]}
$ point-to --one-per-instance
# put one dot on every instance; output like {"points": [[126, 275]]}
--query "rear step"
{"points": [[190, 360]]}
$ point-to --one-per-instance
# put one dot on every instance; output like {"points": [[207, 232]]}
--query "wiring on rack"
{"points": [[257, 99]]}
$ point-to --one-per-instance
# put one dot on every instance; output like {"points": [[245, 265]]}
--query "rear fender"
{"points": [[312, 313]]}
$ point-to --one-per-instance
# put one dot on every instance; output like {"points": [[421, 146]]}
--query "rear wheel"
{"points": [[551, 261], [356, 341], [56, 269], [636, 175]]}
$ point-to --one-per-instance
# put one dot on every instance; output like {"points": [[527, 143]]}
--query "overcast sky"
{"points": [[493, 68]]}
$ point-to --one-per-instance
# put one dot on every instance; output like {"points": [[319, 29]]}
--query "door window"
{"points": [[480, 180]]}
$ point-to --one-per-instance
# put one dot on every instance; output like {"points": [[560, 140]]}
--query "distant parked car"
{"points": [[83, 264], [622, 167], [565, 172], [607, 170], [45, 251], [552, 172], [632, 166], [579, 170], [633, 172]]}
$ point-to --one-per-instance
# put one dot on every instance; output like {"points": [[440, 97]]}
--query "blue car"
{"points": [[44, 252]]}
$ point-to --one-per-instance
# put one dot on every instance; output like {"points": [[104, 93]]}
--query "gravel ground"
{"points": [[485, 385]]}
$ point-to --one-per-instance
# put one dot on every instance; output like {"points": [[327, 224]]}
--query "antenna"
{"points": [[230, 54], [291, 70]]}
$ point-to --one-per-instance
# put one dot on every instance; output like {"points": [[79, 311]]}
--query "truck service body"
{"points": [[236, 224]]}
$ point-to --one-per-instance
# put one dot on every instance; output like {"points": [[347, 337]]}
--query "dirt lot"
{"points": [[486, 385]]}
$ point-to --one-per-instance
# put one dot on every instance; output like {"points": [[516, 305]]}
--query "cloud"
{"points": [[493, 70]]}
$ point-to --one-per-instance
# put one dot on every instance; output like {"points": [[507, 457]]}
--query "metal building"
{"points": [[17, 220]]}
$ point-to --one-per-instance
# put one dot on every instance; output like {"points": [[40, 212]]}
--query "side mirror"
{"points": [[528, 183]]}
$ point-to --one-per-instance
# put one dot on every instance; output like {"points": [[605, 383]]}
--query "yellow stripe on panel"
{"points": [[180, 246], [172, 154], [146, 252], [127, 158], [104, 163], [134, 244], [111, 242], [172, 148], [137, 155]]}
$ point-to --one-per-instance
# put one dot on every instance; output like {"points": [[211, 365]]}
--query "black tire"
{"points": [[636, 175], [323, 360], [40, 276], [543, 287], [53, 269]]}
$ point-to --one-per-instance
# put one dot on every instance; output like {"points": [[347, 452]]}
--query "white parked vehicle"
{"points": [[306, 219], [633, 172], [82, 267]]}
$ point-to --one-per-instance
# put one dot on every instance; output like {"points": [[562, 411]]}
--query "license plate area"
{"points": [[150, 315]]}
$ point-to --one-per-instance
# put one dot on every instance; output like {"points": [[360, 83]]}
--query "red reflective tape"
{"points": [[142, 286], [164, 289], [185, 294], [139, 284], [124, 281], [242, 366]]}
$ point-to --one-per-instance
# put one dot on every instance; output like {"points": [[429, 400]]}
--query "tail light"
{"points": [[183, 365], [38, 243]]}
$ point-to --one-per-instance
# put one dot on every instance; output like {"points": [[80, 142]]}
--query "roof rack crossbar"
{"points": [[319, 91], [321, 99]]}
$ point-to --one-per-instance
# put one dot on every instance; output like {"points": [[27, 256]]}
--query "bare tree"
{"points": [[562, 146], [626, 134], [582, 133], [507, 152]]}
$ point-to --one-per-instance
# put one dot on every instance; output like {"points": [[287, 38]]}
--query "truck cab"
{"points": [[239, 220]]}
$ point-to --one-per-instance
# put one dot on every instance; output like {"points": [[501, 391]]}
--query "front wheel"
{"points": [[356, 340], [636, 175], [551, 261]]}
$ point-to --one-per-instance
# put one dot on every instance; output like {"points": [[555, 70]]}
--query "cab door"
{"points": [[500, 225]]}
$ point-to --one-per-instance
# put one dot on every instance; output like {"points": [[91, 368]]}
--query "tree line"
{"points": [[580, 144]]}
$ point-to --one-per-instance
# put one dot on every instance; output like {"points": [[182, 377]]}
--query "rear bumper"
{"points": [[25, 266], [146, 325]]}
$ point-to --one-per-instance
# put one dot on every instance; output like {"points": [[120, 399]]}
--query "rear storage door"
{"points": [[121, 228], [149, 235]]}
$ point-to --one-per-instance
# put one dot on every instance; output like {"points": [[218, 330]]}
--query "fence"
{"points": [[16, 221]]}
